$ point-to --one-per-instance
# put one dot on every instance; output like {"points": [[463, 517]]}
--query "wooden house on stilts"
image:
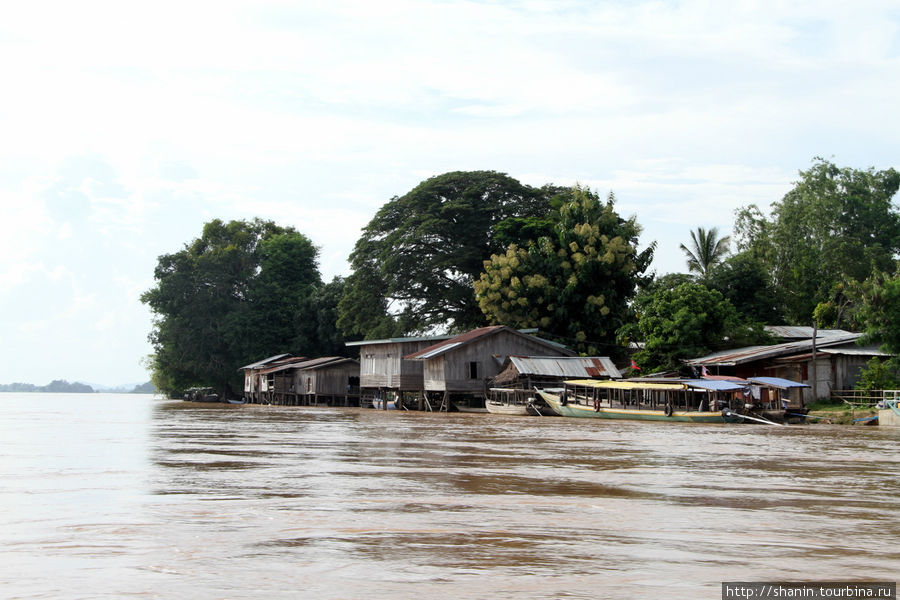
{"points": [[457, 370], [385, 374]]}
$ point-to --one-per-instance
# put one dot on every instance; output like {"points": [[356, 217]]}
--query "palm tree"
{"points": [[706, 251]]}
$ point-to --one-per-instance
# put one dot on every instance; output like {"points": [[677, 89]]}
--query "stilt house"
{"points": [[458, 369], [383, 369]]}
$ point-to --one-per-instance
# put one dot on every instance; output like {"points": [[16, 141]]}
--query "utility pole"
{"points": [[814, 378]]}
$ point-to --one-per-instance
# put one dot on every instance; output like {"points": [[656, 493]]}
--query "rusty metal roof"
{"points": [[738, 356], [303, 363], [470, 336], [264, 362], [324, 362], [566, 366]]}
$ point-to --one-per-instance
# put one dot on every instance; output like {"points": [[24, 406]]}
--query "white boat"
{"points": [[509, 401]]}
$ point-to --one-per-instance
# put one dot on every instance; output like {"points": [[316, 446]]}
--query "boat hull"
{"points": [[583, 411]]}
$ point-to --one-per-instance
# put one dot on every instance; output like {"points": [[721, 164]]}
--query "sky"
{"points": [[124, 127]]}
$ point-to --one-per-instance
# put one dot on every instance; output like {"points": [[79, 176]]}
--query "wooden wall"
{"points": [[382, 366], [451, 372], [326, 381]]}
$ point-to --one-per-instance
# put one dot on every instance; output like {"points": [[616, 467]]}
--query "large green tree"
{"points": [[878, 308], [240, 291], [835, 225], [744, 281], [574, 285], [423, 250], [687, 321]]}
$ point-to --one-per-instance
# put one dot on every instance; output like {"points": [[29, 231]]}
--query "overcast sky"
{"points": [[125, 126]]}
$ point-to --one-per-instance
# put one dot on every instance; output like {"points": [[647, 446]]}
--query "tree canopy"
{"points": [[240, 291], [687, 321], [706, 251], [574, 285], [743, 280], [422, 251], [836, 225]]}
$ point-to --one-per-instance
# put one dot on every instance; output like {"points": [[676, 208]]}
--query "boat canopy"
{"points": [[715, 385], [625, 385], [776, 382]]}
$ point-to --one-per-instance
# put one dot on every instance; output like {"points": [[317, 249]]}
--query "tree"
{"points": [[688, 321], [877, 304], [574, 285], [423, 250], [744, 282], [238, 292], [706, 251], [836, 225]]}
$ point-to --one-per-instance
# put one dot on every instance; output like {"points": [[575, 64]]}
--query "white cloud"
{"points": [[126, 126]]}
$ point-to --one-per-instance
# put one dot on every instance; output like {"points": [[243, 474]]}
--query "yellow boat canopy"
{"points": [[626, 385]]}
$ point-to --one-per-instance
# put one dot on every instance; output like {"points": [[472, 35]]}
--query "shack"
{"points": [[331, 380], [252, 379], [457, 370], [383, 370], [527, 372], [830, 361]]}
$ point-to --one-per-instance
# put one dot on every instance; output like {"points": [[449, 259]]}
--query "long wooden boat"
{"points": [[642, 401], [517, 402]]}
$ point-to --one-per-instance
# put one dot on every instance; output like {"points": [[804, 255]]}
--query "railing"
{"points": [[859, 398]]}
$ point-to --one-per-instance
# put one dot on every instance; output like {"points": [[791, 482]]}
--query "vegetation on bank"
{"points": [[55, 386], [63, 386], [468, 249]]}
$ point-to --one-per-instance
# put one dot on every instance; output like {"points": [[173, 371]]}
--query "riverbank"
{"points": [[839, 413]]}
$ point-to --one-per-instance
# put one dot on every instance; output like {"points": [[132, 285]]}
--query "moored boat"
{"points": [[689, 401], [511, 401]]}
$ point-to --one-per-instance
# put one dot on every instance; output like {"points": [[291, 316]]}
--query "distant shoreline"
{"points": [[61, 386]]}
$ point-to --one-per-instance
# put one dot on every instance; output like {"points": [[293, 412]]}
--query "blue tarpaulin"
{"points": [[714, 385], [776, 382]]}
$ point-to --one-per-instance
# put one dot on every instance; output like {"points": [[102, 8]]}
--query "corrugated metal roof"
{"points": [[324, 362], [440, 347], [399, 340], [263, 362], [303, 363], [801, 332], [566, 366], [856, 351], [436, 351], [730, 358], [470, 336]]}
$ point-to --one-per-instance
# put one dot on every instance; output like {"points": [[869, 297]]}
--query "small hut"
{"points": [[332, 380], [253, 382], [527, 372]]}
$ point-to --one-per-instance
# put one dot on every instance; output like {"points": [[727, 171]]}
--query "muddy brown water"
{"points": [[130, 496]]}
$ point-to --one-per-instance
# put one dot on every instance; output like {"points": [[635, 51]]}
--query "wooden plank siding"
{"points": [[465, 369], [328, 381], [382, 366]]}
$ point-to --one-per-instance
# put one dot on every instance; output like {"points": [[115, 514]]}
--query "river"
{"points": [[130, 496]]}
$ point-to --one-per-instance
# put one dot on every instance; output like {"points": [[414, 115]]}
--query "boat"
{"points": [[689, 401], [382, 404], [467, 408], [770, 400], [201, 394], [512, 401]]}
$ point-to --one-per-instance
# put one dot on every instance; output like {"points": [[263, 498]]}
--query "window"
{"points": [[473, 370]]}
